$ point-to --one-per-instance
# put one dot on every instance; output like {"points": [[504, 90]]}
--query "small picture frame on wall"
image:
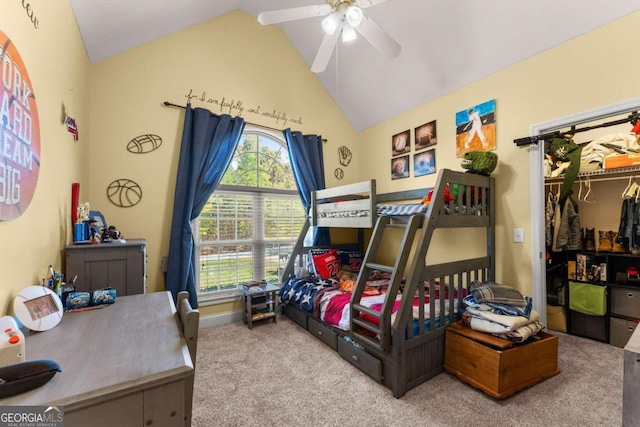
{"points": [[400, 167], [401, 143], [424, 163], [425, 136]]}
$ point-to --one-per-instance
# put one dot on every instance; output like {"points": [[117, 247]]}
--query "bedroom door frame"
{"points": [[536, 156]]}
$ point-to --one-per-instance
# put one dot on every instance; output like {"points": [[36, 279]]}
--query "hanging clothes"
{"points": [[568, 153], [568, 235], [549, 211]]}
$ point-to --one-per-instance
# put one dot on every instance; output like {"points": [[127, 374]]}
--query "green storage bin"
{"points": [[588, 299]]}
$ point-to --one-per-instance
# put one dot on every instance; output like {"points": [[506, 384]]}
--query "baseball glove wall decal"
{"points": [[345, 155]]}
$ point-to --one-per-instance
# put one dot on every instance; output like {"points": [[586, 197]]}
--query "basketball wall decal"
{"points": [[124, 193], [144, 144]]}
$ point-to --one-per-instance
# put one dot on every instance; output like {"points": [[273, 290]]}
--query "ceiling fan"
{"points": [[342, 17]]}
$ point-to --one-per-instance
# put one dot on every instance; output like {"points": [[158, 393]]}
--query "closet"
{"points": [[593, 288]]}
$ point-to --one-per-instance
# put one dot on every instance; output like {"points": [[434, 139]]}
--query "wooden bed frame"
{"points": [[406, 350]]}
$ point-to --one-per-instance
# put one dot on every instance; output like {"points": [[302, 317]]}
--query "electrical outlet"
{"points": [[518, 235]]}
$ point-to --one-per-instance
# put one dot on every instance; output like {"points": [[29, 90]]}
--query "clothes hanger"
{"points": [[624, 193], [586, 196], [580, 192], [632, 190]]}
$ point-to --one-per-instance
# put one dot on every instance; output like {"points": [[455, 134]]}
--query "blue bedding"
{"points": [[304, 291]]}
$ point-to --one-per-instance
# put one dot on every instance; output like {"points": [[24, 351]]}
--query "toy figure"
{"points": [[114, 234]]}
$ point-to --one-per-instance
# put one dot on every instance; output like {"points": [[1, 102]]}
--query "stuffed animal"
{"points": [[447, 196], [480, 162]]}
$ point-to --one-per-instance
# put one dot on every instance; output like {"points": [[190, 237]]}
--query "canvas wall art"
{"points": [[401, 143], [476, 128], [400, 167], [425, 136], [424, 163]]}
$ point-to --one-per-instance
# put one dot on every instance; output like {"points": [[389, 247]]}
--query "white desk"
{"points": [[123, 365]]}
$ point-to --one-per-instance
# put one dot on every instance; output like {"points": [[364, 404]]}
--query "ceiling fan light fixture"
{"points": [[353, 15], [348, 34], [330, 23]]}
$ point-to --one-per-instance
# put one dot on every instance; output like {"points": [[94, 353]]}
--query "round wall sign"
{"points": [[19, 134]]}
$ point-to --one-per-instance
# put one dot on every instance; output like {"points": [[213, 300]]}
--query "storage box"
{"points": [[621, 161], [556, 318], [620, 331], [496, 366], [624, 301], [588, 299], [586, 326]]}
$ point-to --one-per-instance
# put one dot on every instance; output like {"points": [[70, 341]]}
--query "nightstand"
{"points": [[259, 303]]}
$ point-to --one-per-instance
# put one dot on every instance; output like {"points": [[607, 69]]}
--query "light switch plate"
{"points": [[518, 235]]}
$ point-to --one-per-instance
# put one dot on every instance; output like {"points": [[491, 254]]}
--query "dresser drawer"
{"points": [[295, 314], [324, 333], [620, 330], [361, 359], [625, 301]]}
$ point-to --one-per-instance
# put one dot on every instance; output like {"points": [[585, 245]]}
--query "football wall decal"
{"points": [[144, 144], [124, 193]]}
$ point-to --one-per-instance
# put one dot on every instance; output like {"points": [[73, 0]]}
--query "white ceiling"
{"points": [[445, 43]]}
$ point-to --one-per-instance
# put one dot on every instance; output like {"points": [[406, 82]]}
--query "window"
{"points": [[248, 227]]}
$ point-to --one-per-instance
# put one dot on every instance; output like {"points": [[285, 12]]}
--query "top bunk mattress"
{"points": [[357, 205]]}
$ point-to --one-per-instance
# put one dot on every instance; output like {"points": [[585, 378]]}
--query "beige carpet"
{"points": [[280, 375]]}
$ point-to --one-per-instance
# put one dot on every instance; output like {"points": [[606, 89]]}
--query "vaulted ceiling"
{"points": [[446, 44]]}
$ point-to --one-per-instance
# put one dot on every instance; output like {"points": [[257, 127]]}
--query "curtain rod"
{"points": [[169, 104], [527, 140]]}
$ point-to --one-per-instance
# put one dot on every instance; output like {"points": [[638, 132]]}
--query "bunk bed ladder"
{"points": [[296, 254], [377, 334]]}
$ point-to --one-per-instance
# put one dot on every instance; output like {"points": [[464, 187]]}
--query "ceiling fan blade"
{"points": [[325, 51], [284, 15], [379, 38], [368, 3]]}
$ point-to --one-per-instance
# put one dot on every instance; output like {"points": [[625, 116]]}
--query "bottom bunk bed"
{"points": [[390, 321]]}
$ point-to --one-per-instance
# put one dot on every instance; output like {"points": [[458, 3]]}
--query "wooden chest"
{"points": [[496, 366]]}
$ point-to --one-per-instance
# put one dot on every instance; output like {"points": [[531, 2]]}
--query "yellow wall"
{"points": [[234, 58], [57, 64], [588, 72], [231, 57]]}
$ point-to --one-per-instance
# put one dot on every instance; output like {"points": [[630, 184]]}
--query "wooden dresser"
{"points": [[126, 364], [121, 266]]}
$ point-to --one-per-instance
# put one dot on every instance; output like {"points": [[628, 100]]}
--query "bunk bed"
{"points": [[390, 321]]}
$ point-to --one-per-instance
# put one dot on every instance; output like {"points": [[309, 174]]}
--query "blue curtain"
{"points": [[307, 162], [208, 144]]}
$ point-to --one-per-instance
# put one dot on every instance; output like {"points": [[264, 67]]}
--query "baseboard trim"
{"points": [[220, 319]]}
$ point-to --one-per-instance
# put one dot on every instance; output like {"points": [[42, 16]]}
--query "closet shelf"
{"points": [[619, 172]]}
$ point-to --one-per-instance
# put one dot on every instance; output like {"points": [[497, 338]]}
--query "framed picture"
{"points": [[401, 143], [425, 135], [400, 167], [424, 163], [476, 128]]}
